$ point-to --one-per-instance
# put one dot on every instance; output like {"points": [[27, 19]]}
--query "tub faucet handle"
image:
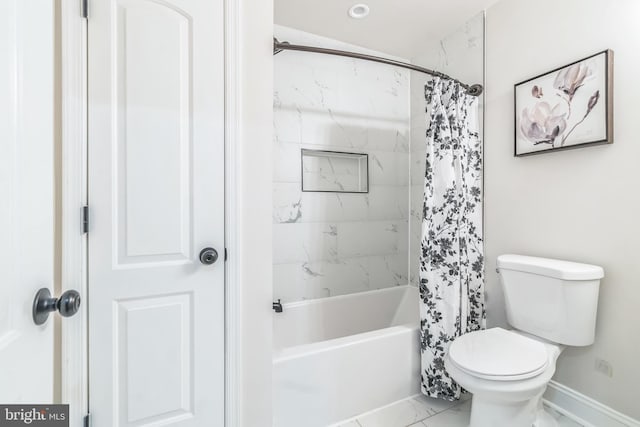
{"points": [[277, 306]]}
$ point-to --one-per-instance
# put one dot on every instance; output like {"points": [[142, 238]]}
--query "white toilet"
{"points": [[550, 304]]}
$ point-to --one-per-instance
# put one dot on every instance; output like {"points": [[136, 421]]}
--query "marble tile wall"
{"points": [[328, 244], [460, 55]]}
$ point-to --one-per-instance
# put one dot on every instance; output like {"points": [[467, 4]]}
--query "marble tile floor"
{"points": [[422, 411]]}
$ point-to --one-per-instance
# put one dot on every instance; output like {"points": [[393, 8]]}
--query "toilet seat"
{"points": [[499, 355]]}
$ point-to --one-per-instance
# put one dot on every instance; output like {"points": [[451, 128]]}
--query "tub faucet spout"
{"points": [[277, 306]]}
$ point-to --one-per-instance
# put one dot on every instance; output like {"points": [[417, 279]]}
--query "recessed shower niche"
{"points": [[334, 171]]}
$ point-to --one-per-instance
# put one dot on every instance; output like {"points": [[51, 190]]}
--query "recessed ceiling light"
{"points": [[359, 11]]}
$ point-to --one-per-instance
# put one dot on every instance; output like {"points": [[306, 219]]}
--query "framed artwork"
{"points": [[569, 107]]}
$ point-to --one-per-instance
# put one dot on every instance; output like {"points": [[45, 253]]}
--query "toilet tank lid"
{"points": [[565, 270]]}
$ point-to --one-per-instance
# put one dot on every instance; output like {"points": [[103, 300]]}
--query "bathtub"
{"points": [[338, 357]]}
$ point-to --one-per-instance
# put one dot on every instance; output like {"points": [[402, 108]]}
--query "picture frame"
{"points": [[565, 108]]}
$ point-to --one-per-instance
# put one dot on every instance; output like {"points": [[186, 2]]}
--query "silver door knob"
{"points": [[208, 256], [67, 305]]}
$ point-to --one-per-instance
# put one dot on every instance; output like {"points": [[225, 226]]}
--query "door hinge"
{"points": [[225, 254], [84, 8], [87, 420], [85, 219]]}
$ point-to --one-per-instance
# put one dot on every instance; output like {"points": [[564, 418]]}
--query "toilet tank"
{"points": [[552, 299]]}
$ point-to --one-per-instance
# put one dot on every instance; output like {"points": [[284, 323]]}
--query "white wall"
{"points": [[460, 55], [581, 204], [328, 244], [249, 101]]}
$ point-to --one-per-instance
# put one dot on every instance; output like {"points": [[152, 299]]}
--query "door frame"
{"points": [[74, 195], [73, 271]]}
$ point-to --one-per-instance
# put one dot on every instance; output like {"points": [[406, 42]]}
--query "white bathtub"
{"points": [[341, 356]]}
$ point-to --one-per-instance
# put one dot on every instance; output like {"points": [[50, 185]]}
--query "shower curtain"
{"points": [[451, 256]]}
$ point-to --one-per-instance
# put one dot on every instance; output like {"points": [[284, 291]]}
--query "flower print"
{"points": [[536, 92], [593, 101], [570, 79], [542, 124]]}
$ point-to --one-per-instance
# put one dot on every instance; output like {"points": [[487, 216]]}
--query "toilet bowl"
{"points": [[550, 304], [507, 373]]}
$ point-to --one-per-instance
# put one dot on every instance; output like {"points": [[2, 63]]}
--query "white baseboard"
{"points": [[584, 410]]}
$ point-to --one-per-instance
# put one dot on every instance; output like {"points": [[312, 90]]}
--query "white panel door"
{"points": [[156, 180], [26, 198]]}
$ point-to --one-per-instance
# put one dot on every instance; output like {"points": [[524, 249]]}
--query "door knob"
{"points": [[43, 304], [208, 256]]}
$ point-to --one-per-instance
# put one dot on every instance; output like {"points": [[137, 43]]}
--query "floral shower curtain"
{"points": [[452, 256]]}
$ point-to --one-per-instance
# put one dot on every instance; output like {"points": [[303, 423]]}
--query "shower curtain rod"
{"points": [[278, 46]]}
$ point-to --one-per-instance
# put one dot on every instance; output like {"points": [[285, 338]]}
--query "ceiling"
{"points": [[396, 27]]}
